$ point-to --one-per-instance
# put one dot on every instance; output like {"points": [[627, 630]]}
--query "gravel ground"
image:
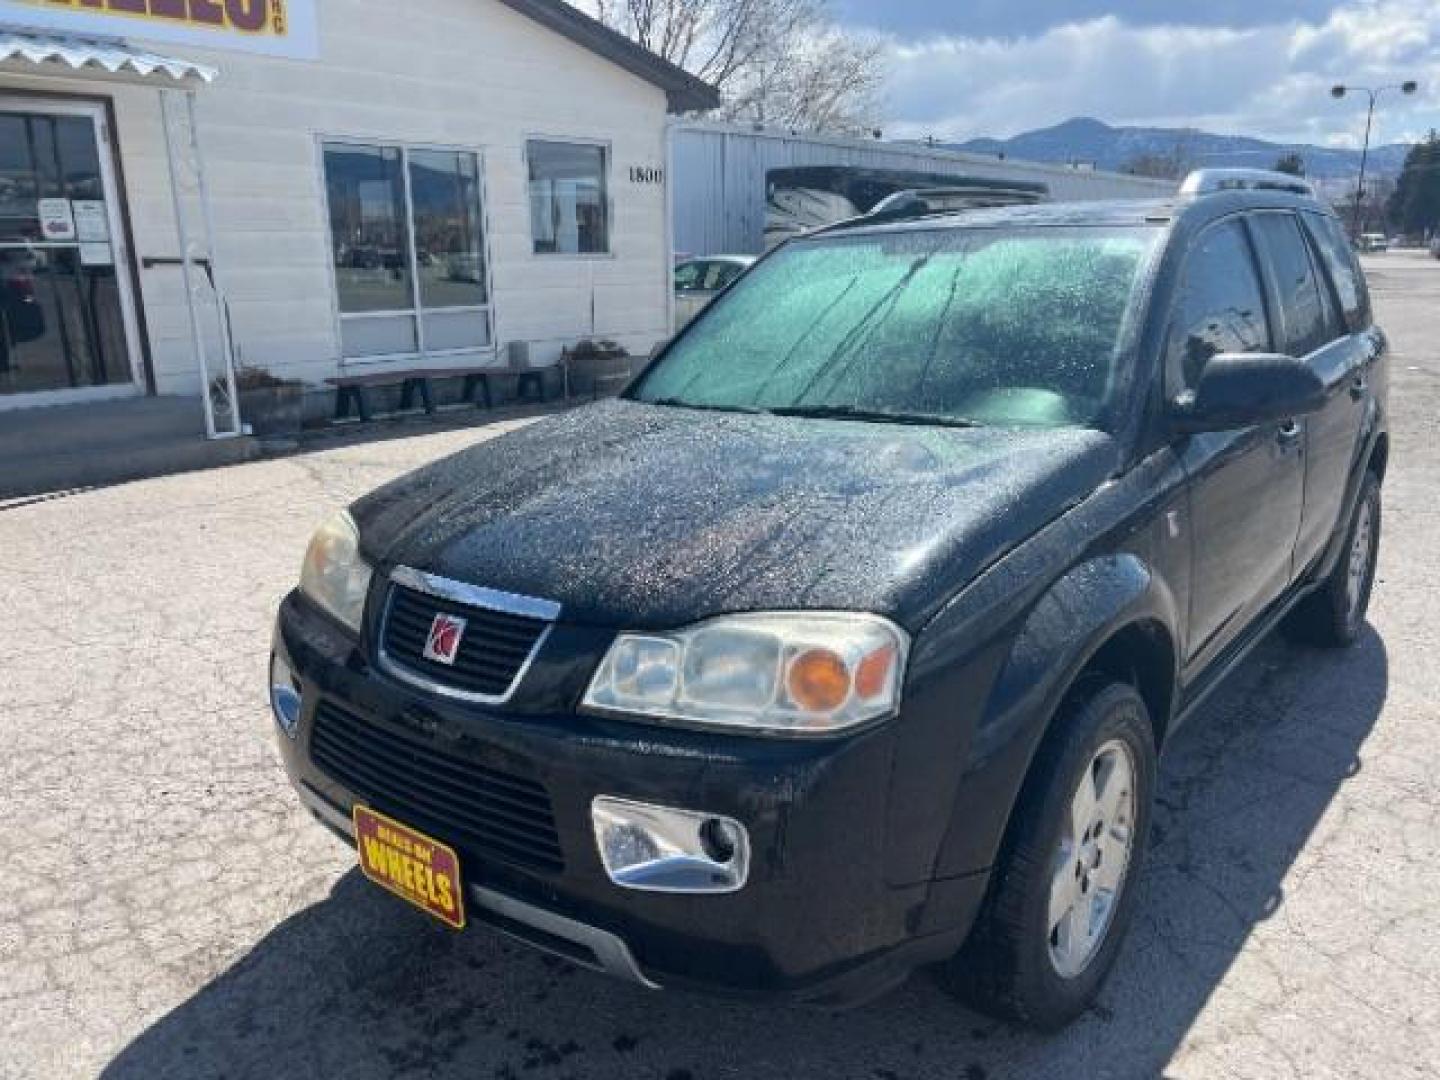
{"points": [[168, 909]]}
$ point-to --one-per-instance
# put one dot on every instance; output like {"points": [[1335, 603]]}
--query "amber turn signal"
{"points": [[872, 676], [818, 680]]}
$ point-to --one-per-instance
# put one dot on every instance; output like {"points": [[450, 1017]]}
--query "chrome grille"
{"points": [[502, 634]]}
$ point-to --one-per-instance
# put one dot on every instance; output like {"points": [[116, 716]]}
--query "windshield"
{"points": [[989, 326]]}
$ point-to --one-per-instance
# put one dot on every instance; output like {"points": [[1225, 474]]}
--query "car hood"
{"points": [[641, 516]]}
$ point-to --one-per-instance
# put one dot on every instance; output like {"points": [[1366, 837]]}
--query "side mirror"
{"points": [[1238, 390]]}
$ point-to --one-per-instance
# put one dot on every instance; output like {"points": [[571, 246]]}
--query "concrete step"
{"points": [[71, 446]]}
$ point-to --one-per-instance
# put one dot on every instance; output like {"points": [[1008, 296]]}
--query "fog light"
{"points": [[284, 695], [657, 849]]}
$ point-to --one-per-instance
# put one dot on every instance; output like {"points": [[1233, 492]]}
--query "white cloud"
{"points": [[1269, 80]]}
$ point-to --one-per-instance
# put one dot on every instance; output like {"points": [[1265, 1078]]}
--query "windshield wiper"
{"points": [[881, 416], [681, 403]]}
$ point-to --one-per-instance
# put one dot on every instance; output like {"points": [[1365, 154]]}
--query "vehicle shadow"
{"points": [[360, 986]]}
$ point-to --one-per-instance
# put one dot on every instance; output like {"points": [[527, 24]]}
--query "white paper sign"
{"points": [[274, 27], [92, 223], [57, 222], [96, 255]]}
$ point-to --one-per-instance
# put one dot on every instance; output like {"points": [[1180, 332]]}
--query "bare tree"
{"points": [[782, 62], [1167, 165]]}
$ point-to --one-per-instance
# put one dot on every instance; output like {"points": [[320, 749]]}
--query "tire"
{"points": [[1334, 614], [1015, 964]]}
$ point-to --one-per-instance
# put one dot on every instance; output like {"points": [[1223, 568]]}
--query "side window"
{"points": [[569, 204], [687, 276], [726, 273], [1220, 307], [720, 275], [1302, 310], [1339, 259]]}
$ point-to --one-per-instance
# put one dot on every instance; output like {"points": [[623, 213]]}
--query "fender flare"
{"points": [[1076, 617], [1064, 631], [1371, 440]]}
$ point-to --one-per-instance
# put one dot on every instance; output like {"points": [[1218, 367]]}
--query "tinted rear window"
{"points": [[1344, 270], [1303, 309]]}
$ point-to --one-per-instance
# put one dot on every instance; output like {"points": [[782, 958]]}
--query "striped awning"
{"points": [[81, 54]]}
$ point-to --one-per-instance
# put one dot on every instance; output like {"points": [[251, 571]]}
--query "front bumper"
{"points": [[586, 945], [816, 918]]}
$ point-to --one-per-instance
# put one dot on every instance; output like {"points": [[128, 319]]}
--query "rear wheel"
{"points": [[1334, 614], [1062, 893]]}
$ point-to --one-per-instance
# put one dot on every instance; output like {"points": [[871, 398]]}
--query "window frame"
{"points": [[1173, 378], [417, 310], [609, 200]]}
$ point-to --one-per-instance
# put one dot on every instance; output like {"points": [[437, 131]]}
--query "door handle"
{"points": [[1288, 433]]}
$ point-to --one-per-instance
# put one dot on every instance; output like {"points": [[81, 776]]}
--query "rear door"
{"points": [[1348, 366], [1246, 485], [1308, 327]]}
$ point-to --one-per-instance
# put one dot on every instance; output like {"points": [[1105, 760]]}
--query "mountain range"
{"points": [[1091, 141]]}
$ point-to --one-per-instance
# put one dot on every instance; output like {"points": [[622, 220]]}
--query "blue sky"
{"points": [[959, 68]]}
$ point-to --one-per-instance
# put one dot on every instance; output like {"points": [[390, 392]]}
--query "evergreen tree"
{"points": [[1291, 163], [1414, 208]]}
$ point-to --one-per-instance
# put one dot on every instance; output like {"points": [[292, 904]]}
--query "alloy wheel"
{"points": [[1361, 554], [1092, 859]]}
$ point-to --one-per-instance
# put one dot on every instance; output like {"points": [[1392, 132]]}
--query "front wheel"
{"points": [[1063, 891]]}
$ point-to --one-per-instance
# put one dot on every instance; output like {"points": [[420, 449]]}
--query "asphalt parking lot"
{"points": [[168, 910]]}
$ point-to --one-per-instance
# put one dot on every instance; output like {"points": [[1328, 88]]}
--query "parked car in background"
{"points": [[1435, 247], [1373, 242], [846, 640], [698, 281]]}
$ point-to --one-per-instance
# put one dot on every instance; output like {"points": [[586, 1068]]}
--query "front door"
{"points": [[67, 328], [1246, 486]]}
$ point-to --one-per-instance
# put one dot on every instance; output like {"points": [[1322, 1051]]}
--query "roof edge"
{"points": [[683, 91]]}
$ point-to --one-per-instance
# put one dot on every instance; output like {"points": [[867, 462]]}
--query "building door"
{"points": [[67, 326]]}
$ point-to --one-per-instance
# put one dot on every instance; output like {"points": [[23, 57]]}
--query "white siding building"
{"points": [[414, 185]]}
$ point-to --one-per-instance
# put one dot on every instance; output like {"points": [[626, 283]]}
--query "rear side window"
{"points": [[1221, 308], [1306, 326], [1344, 271]]}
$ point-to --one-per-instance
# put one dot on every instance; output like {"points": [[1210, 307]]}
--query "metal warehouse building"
{"points": [[723, 178]]}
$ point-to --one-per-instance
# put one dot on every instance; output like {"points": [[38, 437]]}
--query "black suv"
{"points": [[845, 640]]}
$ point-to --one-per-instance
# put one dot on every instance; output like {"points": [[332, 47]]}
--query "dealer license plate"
{"points": [[411, 865]]}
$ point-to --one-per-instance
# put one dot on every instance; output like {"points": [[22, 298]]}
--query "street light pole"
{"points": [[1364, 157], [1339, 91]]}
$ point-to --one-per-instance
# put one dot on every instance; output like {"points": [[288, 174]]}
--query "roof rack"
{"points": [[1209, 181]]}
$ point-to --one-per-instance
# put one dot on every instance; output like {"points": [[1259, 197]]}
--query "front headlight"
{"points": [[334, 575], [786, 673]]}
